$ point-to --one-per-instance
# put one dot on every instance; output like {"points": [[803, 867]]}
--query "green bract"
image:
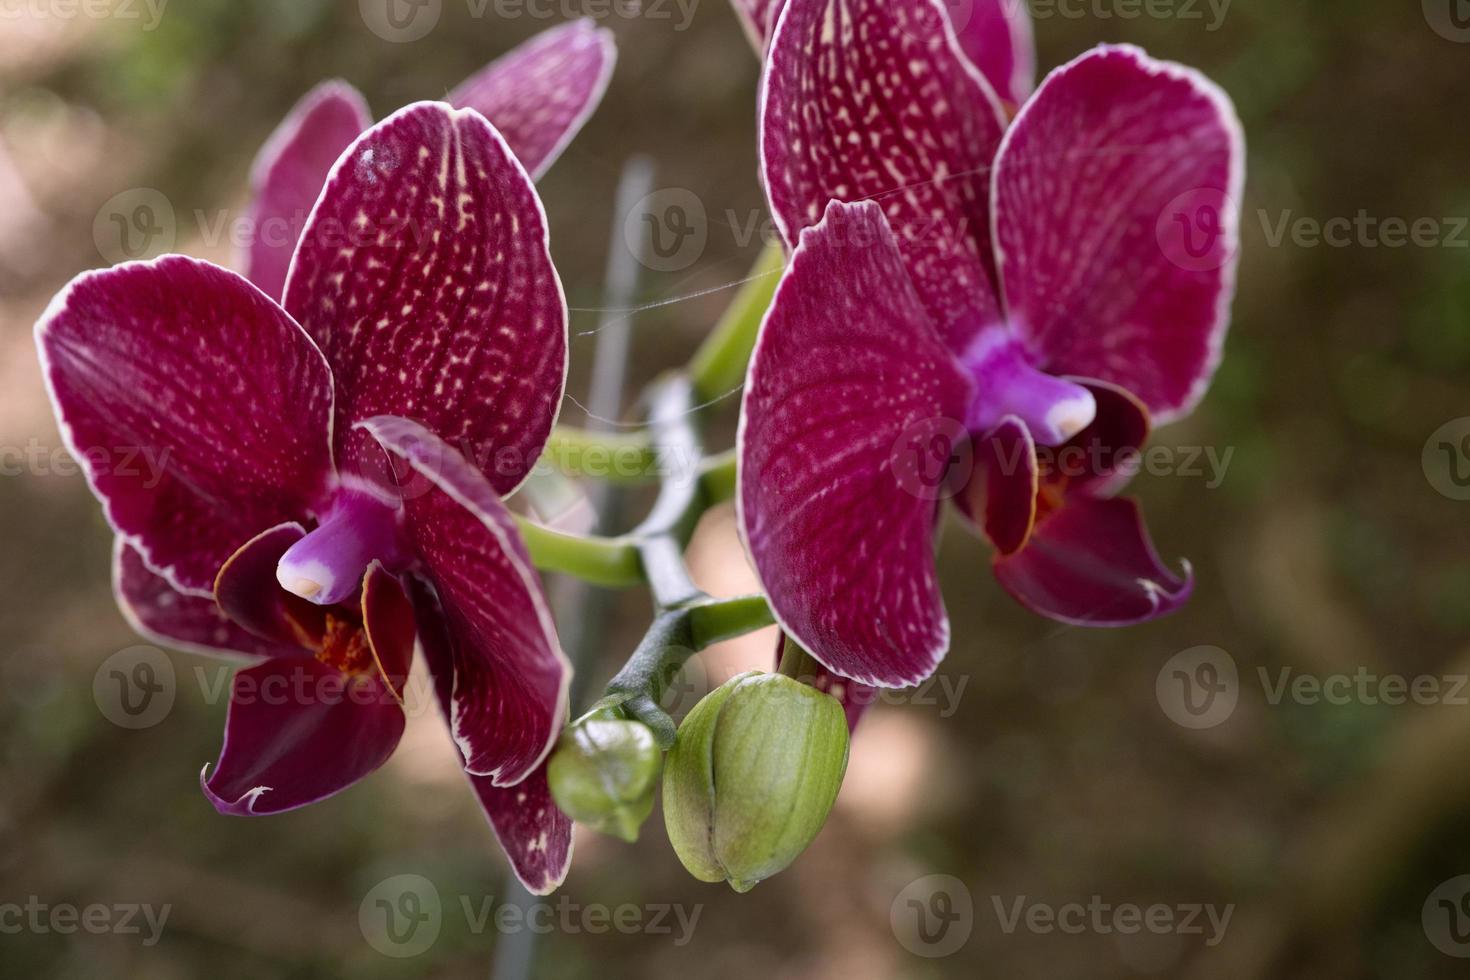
{"points": [[752, 777]]}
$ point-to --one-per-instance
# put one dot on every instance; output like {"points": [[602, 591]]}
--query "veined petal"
{"points": [[163, 614], [1001, 494], [540, 94], [996, 35], [425, 276], [758, 18], [848, 371], [508, 699], [289, 175], [1091, 563], [872, 100], [535, 835], [199, 411], [1117, 197], [299, 731]]}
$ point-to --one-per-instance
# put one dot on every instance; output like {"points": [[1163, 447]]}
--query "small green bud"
{"points": [[752, 777], [603, 774]]}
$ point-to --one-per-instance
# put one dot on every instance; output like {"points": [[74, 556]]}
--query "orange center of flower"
{"points": [[344, 645]]}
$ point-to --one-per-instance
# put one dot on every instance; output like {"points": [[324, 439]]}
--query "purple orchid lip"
{"points": [[1053, 409], [327, 565]]}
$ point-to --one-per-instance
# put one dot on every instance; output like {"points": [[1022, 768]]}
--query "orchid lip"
{"points": [[327, 565], [1007, 384]]}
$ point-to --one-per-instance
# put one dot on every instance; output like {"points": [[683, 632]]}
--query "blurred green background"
{"points": [[1056, 775]]}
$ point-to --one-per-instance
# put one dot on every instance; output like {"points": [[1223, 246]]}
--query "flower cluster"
{"points": [[980, 282]]}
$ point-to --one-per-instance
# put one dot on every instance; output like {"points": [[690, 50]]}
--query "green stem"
{"points": [[612, 563], [718, 477], [675, 636], [618, 457], [725, 619], [719, 366]]}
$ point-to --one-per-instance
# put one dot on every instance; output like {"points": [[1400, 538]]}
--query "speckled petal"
{"points": [[426, 278], [535, 835], [1091, 563], [510, 683], [289, 175], [1117, 196], [297, 732], [996, 35], [162, 614], [540, 94], [871, 99], [199, 411], [848, 372]]}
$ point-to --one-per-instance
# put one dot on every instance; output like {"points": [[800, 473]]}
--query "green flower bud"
{"points": [[603, 774], [752, 777]]}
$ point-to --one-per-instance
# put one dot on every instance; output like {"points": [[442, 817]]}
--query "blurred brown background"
{"points": [[1045, 771]]}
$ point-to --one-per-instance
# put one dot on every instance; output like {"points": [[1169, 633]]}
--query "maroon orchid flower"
{"points": [[299, 518], [1019, 282], [538, 95]]}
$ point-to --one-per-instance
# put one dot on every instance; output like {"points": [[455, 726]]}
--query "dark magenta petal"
{"points": [[297, 732], [540, 94], [161, 613], [1001, 493], [535, 835], [388, 619], [996, 35], [289, 175], [850, 379], [1102, 458], [1117, 208], [510, 677], [758, 18], [426, 277], [247, 592], [847, 116], [1091, 563], [199, 410]]}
